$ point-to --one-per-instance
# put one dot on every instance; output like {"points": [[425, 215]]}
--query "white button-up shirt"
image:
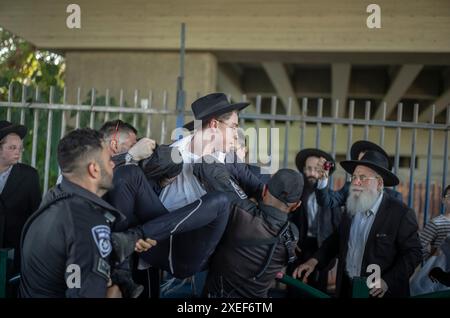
{"points": [[186, 188]]}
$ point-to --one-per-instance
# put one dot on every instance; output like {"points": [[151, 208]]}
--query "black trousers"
{"points": [[187, 237]]}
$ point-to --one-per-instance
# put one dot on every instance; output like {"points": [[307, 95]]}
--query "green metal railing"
{"points": [[3, 271], [359, 289]]}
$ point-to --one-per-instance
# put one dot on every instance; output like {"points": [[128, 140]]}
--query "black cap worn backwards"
{"points": [[286, 185]]}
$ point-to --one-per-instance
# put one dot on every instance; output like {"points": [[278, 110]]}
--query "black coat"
{"points": [[20, 197], [328, 220], [134, 196], [393, 244], [71, 227]]}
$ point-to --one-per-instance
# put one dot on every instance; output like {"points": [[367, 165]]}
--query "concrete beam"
{"points": [[340, 79], [295, 26], [280, 79], [402, 80], [441, 105], [228, 82], [319, 58]]}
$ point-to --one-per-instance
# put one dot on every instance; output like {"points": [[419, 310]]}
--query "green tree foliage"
{"points": [[22, 64]]}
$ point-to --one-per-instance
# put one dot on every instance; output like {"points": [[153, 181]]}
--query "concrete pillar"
{"points": [[144, 71]]}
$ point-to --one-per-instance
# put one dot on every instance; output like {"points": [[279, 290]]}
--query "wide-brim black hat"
{"points": [[375, 161], [304, 154], [7, 128], [364, 145], [212, 105]]}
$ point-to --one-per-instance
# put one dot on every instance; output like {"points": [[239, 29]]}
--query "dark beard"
{"points": [[312, 182]]}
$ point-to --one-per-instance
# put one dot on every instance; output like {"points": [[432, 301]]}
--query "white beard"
{"points": [[361, 202]]}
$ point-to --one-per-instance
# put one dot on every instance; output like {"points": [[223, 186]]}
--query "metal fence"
{"points": [[49, 120]]}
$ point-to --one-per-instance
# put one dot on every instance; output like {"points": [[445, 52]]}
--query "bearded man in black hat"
{"points": [[315, 223], [377, 235], [329, 198], [20, 194]]}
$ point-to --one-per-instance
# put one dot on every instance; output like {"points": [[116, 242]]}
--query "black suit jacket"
{"points": [[20, 197], [328, 220], [393, 244]]}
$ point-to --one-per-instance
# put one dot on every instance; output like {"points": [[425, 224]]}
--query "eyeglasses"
{"points": [[362, 178], [14, 148], [447, 197], [234, 127]]}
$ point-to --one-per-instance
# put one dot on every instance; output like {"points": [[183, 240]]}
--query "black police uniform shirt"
{"points": [[66, 245]]}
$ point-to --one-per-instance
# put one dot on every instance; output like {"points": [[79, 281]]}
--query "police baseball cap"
{"points": [[286, 185]]}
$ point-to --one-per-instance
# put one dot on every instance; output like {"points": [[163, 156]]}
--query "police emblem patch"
{"points": [[102, 238]]}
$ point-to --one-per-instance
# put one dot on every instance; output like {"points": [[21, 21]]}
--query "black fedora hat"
{"points": [[212, 105], [304, 154], [7, 128], [375, 161], [364, 145]]}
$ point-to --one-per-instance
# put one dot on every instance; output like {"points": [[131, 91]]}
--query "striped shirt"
{"points": [[434, 234]]}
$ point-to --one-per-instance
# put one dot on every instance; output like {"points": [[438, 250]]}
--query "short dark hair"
{"points": [[76, 146], [444, 193], [109, 128]]}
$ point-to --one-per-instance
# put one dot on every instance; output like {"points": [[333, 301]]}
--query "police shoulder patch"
{"points": [[102, 238], [238, 190]]}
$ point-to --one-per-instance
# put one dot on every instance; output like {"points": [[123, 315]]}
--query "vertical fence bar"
{"points": [[242, 120], [136, 99], [273, 112], [303, 122], [121, 104], [77, 115], [181, 93], [257, 121], [63, 121], [319, 125], [35, 130], [383, 118], [412, 163], [10, 98], [23, 101], [92, 114], [334, 128], [428, 177], [351, 115], [164, 117], [22, 112], [445, 159], [397, 138], [258, 112], [286, 133], [335, 113], [64, 115], [107, 104], [149, 116], [367, 119], [49, 141]]}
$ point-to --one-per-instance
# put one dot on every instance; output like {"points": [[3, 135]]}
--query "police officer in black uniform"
{"points": [[258, 240], [66, 244]]}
